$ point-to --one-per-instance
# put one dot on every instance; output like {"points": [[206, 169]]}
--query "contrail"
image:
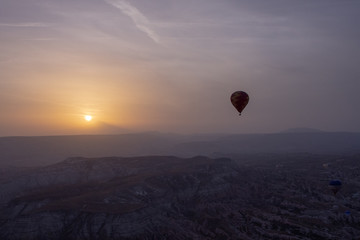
{"points": [[139, 19]]}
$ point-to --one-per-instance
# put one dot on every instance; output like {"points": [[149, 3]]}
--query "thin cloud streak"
{"points": [[26, 24], [41, 39], [139, 19]]}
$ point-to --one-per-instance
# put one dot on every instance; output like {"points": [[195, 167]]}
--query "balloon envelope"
{"points": [[335, 185], [239, 99]]}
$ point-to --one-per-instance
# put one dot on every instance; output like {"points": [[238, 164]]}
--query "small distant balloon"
{"points": [[239, 100], [335, 186], [325, 165]]}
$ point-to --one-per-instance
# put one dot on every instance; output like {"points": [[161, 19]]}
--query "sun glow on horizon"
{"points": [[88, 118]]}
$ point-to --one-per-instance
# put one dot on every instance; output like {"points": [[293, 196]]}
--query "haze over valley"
{"points": [[40, 151]]}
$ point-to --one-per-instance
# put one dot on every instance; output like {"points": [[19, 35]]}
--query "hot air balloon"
{"points": [[334, 186], [239, 99]]}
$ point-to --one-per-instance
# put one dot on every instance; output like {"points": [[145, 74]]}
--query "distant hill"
{"points": [[302, 130], [37, 151], [30, 151]]}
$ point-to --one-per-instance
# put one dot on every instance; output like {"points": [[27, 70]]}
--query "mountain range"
{"points": [[41, 151]]}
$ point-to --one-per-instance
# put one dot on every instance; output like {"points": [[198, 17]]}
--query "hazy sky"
{"points": [[171, 65]]}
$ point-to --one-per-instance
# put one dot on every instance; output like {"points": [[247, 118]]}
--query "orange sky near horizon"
{"points": [[136, 66]]}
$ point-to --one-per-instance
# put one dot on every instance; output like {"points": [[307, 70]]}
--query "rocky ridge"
{"points": [[164, 197]]}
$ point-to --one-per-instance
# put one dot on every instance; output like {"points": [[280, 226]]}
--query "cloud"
{"points": [[25, 24], [6, 61], [141, 22], [40, 39]]}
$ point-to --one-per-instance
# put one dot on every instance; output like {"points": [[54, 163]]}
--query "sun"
{"points": [[88, 118]]}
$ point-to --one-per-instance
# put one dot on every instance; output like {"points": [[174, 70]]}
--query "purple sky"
{"points": [[171, 66]]}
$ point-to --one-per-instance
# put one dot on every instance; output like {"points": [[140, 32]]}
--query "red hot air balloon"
{"points": [[239, 99]]}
